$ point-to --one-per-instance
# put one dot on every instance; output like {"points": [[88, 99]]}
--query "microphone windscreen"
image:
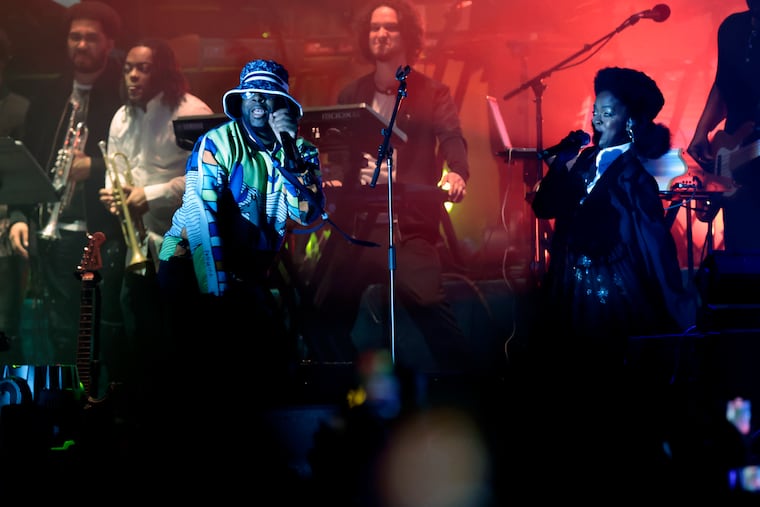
{"points": [[660, 13]]}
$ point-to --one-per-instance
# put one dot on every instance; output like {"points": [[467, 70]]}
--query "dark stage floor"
{"points": [[369, 433], [335, 431]]}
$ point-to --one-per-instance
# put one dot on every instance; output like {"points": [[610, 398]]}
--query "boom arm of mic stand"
{"points": [[587, 47], [540, 236], [383, 150]]}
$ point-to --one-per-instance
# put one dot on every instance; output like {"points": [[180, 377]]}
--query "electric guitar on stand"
{"points": [[88, 363]]}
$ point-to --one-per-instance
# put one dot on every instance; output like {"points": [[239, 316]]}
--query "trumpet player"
{"points": [[86, 93], [146, 169]]}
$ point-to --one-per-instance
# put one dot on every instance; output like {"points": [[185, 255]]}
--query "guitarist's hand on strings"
{"points": [[700, 151]]}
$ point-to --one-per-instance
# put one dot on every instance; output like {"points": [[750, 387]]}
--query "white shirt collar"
{"points": [[608, 155], [604, 158]]}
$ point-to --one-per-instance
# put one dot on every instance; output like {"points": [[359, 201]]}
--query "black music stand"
{"points": [[22, 180]]}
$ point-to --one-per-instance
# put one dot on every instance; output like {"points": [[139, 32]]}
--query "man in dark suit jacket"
{"points": [[88, 93], [390, 35]]}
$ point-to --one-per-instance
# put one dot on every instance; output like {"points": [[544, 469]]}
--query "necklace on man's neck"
{"points": [[386, 78], [384, 91], [382, 85]]}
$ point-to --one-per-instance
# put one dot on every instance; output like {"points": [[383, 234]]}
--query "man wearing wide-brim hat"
{"points": [[242, 188], [243, 159]]}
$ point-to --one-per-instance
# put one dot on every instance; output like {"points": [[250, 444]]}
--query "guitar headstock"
{"points": [[91, 260]]}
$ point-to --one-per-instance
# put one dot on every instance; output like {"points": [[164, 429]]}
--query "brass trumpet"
{"points": [[129, 227], [76, 139]]}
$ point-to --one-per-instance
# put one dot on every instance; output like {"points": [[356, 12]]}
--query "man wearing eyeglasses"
{"points": [[87, 92], [150, 166]]}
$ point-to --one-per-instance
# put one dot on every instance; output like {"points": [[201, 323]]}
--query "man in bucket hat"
{"points": [[245, 179], [242, 163]]}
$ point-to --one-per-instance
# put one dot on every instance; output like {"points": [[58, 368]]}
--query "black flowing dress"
{"points": [[613, 269]]}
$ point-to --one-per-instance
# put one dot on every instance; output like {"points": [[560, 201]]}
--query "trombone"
{"points": [[129, 229]]}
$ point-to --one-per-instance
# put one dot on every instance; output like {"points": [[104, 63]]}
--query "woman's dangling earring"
{"points": [[629, 129]]}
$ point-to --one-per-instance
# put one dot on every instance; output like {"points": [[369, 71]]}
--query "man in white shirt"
{"points": [[143, 151]]}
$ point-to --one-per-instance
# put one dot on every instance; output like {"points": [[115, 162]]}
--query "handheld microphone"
{"points": [[658, 13], [292, 156], [574, 141]]}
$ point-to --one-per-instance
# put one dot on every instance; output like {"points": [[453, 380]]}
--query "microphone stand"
{"points": [[386, 151], [541, 231]]}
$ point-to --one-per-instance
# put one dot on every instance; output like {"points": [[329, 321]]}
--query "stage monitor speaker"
{"points": [[727, 283]]}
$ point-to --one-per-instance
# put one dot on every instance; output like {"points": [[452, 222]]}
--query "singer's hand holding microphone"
{"points": [[285, 127], [283, 120]]}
